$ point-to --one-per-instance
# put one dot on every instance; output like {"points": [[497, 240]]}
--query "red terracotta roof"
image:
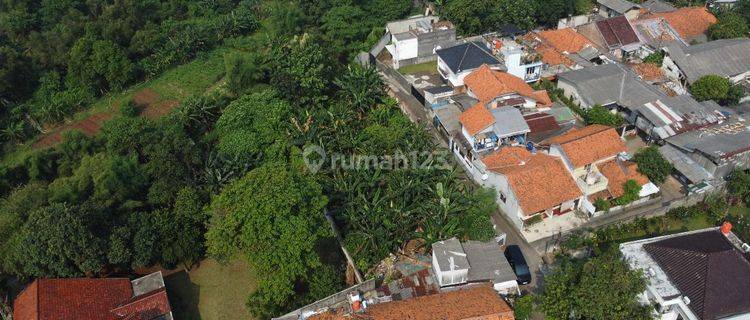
{"points": [[589, 144], [539, 181], [478, 303], [476, 118], [146, 307], [565, 40], [488, 84], [619, 173], [86, 299], [688, 22], [549, 54], [648, 71]]}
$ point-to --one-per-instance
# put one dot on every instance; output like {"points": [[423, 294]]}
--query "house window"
{"points": [[502, 196], [530, 71]]}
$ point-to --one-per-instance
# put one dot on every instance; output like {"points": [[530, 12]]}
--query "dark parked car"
{"points": [[518, 263]]}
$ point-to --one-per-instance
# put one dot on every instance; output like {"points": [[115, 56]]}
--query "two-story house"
{"points": [[583, 151], [415, 40], [498, 118], [457, 62], [531, 185]]}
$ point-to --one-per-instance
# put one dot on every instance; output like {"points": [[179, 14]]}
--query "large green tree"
{"points": [[601, 287], [729, 25], [274, 217]]}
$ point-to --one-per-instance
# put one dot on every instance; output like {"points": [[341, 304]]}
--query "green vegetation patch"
{"points": [[212, 291], [427, 67]]}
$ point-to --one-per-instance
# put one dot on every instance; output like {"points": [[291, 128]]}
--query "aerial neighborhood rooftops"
{"points": [[650, 109]]}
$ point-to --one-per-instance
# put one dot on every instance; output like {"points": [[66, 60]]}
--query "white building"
{"points": [[456, 263]]}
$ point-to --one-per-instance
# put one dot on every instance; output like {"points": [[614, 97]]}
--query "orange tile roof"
{"points": [[488, 84], [688, 22], [549, 54], [539, 181], [477, 303], [648, 71], [618, 174], [476, 118], [589, 144], [565, 40]]}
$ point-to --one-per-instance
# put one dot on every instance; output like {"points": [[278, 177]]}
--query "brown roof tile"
{"points": [[539, 181], [688, 22], [589, 144], [565, 40], [488, 84], [477, 303], [476, 118], [648, 71], [619, 173]]}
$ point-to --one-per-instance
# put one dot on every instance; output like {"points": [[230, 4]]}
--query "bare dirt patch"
{"points": [[89, 126], [160, 109], [145, 97]]}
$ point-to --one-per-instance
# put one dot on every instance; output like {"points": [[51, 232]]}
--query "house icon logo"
{"points": [[314, 157]]}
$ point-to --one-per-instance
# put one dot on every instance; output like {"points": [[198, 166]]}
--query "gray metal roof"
{"points": [[468, 56], [438, 90], [487, 262], [450, 250], [509, 121], [448, 116], [717, 141], [684, 164], [658, 6], [610, 83], [726, 57], [619, 6]]}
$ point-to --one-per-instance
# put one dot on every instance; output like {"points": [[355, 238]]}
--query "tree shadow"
{"points": [[184, 296]]}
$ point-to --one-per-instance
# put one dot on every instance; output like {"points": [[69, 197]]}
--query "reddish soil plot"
{"points": [[145, 97], [160, 109], [89, 126]]}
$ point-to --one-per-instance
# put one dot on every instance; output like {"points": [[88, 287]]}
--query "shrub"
{"points": [[130, 109], [710, 87], [656, 58], [602, 205], [652, 164]]}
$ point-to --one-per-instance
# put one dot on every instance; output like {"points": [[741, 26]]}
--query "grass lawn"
{"points": [[427, 67], [211, 291]]}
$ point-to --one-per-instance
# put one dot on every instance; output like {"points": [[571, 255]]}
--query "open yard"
{"points": [[427, 67], [211, 291]]}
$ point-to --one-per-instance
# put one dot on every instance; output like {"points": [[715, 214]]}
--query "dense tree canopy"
{"points": [[601, 115], [652, 164], [717, 88], [729, 25], [601, 287]]}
